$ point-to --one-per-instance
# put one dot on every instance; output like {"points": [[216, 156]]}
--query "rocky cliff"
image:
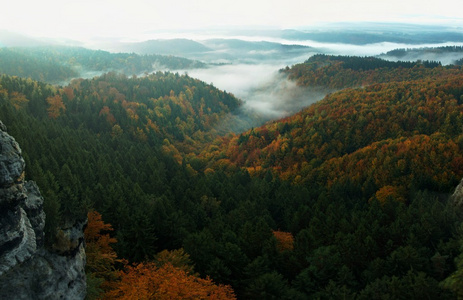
{"points": [[457, 196], [27, 269]]}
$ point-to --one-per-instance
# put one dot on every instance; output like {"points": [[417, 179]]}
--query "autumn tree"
{"points": [[177, 258], [100, 255], [148, 281], [56, 106], [19, 100], [69, 92], [285, 240], [388, 193], [106, 111]]}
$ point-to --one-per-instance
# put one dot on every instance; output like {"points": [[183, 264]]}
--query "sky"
{"points": [[78, 19]]}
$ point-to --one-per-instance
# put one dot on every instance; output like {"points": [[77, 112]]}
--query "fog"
{"points": [[238, 79], [368, 49], [267, 94], [444, 57], [247, 63], [249, 69]]}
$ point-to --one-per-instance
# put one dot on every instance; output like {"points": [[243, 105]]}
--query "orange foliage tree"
{"points": [[106, 111], [100, 255], [285, 240], [387, 193], [56, 105], [148, 281], [69, 92]]}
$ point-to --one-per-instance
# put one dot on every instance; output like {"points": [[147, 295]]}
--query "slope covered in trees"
{"points": [[338, 72], [89, 134], [20, 64], [55, 64], [331, 134], [346, 199], [174, 109], [446, 54]]}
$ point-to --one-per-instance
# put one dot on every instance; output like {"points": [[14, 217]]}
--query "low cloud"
{"points": [[445, 58], [253, 76], [238, 79], [267, 94], [280, 97]]}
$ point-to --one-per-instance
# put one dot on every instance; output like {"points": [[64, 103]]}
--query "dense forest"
{"points": [[338, 72], [57, 64], [439, 50], [447, 54], [349, 198]]}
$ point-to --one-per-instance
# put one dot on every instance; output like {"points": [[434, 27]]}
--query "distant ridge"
{"points": [[12, 39], [364, 37], [251, 45], [169, 46]]}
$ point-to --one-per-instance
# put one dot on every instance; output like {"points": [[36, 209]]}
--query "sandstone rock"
{"points": [[11, 162], [34, 209], [17, 240], [27, 269], [457, 196]]}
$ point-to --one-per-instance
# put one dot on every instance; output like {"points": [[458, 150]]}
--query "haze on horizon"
{"points": [[87, 19], [100, 24]]}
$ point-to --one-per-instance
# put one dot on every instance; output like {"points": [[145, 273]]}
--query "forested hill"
{"points": [[155, 108], [111, 135], [445, 54], [57, 64], [336, 139], [159, 107], [346, 199], [337, 72]]}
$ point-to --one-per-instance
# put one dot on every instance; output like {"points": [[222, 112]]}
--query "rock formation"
{"points": [[27, 269], [457, 196]]}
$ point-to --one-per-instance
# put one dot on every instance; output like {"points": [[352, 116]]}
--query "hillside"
{"points": [[12, 39], [346, 199], [58, 64], [446, 55], [242, 50], [218, 50], [338, 72], [423, 105]]}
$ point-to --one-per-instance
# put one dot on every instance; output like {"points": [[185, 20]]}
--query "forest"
{"points": [[58, 64], [347, 199]]}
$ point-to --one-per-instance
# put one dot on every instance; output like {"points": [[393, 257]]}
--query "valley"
{"points": [[279, 164]]}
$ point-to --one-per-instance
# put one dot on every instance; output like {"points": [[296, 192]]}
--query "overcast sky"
{"points": [[114, 18]]}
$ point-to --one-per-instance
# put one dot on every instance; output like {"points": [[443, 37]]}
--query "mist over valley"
{"points": [[231, 149], [246, 63]]}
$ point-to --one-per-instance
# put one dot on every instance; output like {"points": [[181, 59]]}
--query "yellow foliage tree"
{"points": [[18, 100]]}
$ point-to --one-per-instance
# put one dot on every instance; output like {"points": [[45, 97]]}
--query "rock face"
{"points": [[27, 269], [457, 196]]}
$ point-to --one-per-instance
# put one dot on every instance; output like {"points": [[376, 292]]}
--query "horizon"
{"points": [[105, 19], [250, 34]]}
